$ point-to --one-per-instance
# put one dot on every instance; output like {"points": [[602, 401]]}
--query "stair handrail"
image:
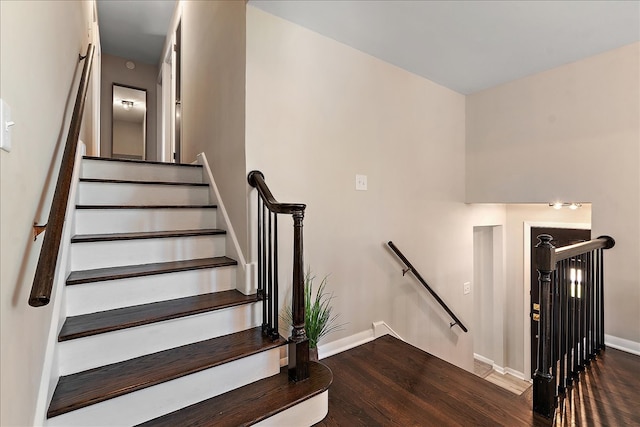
{"points": [[268, 274], [570, 318], [411, 268], [45, 270]]}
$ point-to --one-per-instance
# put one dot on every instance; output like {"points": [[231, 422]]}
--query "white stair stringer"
{"points": [[142, 405], [81, 354], [92, 255], [139, 171], [99, 221], [105, 295], [109, 193], [306, 413]]}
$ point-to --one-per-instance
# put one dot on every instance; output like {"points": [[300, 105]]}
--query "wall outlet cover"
{"points": [[361, 182]]}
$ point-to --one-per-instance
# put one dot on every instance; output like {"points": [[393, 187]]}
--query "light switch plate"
{"points": [[361, 182], [466, 288], [5, 126]]}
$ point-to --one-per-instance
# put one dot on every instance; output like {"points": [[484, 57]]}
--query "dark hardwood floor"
{"points": [[390, 383]]}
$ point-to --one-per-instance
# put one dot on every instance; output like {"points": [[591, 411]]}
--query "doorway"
{"points": [[489, 296], [561, 237], [177, 64]]}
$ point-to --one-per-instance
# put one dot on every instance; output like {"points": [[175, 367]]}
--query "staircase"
{"points": [[156, 332]]}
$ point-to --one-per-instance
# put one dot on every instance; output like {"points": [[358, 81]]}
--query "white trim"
{"points": [[622, 344], [50, 371], [497, 368], [244, 274], [517, 374], [378, 329], [482, 359], [527, 280]]}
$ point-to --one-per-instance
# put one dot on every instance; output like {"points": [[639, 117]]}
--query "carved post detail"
{"points": [[544, 401], [298, 342]]}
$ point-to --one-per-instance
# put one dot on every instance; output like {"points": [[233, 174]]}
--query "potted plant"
{"points": [[318, 317]]}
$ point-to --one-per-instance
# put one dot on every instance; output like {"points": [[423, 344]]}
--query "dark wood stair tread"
{"points": [[128, 317], [149, 162], [84, 238], [128, 181], [250, 404], [96, 385], [123, 272], [146, 206]]}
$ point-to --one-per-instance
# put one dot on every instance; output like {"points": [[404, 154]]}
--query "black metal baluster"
{"points": [[270, 278], [562, 330], [275, 333], [554, 326], [601, 307], [589, 288], [265, 302], [261, 290]]}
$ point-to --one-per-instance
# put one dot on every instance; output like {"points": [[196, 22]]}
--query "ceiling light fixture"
{"points": [[571, 205]]}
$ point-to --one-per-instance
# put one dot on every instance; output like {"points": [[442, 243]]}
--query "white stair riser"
{"points": [[96, 221], [152, 402], [106, 193], [100, 169], [103, 349], [111, 294], [90, 255], [306, 413]]}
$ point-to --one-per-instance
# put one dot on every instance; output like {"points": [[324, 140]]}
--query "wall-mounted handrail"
{"points": [[45, 271], [268, 210], [411, 268]]}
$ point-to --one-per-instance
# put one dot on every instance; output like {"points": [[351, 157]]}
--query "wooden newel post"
{"points": [[544, 401], [298, 342]]}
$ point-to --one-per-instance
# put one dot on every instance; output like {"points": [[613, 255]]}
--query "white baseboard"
{"points": [[499, 369], [622, 344], [514, 373], [378, 329]]}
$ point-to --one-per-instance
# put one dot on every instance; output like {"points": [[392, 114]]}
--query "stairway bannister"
{"points": [[45, 270], [571, 323], [268, 208]]}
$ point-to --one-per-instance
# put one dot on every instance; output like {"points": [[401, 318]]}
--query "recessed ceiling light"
{"points": [[130, 65]]}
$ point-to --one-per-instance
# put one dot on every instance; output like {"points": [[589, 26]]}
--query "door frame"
{"points": [[527, 280]]}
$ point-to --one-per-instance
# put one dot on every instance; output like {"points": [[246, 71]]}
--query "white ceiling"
{"points": [[134, 29], [464, 45], [469, 46]]}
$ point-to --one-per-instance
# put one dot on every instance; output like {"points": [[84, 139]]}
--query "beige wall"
{"points": [[39, 46], [145, 77], [570, 134], [318, 113], [213, 99]]}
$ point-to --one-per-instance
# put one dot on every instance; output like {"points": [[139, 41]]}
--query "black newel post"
{"points": [[544, 402], [298, 342]]}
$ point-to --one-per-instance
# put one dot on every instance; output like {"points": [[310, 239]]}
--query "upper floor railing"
{"points": [[46, 268], [571, 319], [268, 210]]}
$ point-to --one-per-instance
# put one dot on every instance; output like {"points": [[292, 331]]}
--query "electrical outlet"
{"points": [[5, 126], [466, 288], [361, 182]]}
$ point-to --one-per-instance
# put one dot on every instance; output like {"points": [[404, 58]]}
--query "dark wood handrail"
{"points": [[566, 252], [256, 179], [267, 272], [410, 268], [45, 271]]}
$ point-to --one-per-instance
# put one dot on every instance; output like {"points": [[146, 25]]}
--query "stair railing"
{"points": [[268, 211], [411, 268], [571, 316], [45, 270]]}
